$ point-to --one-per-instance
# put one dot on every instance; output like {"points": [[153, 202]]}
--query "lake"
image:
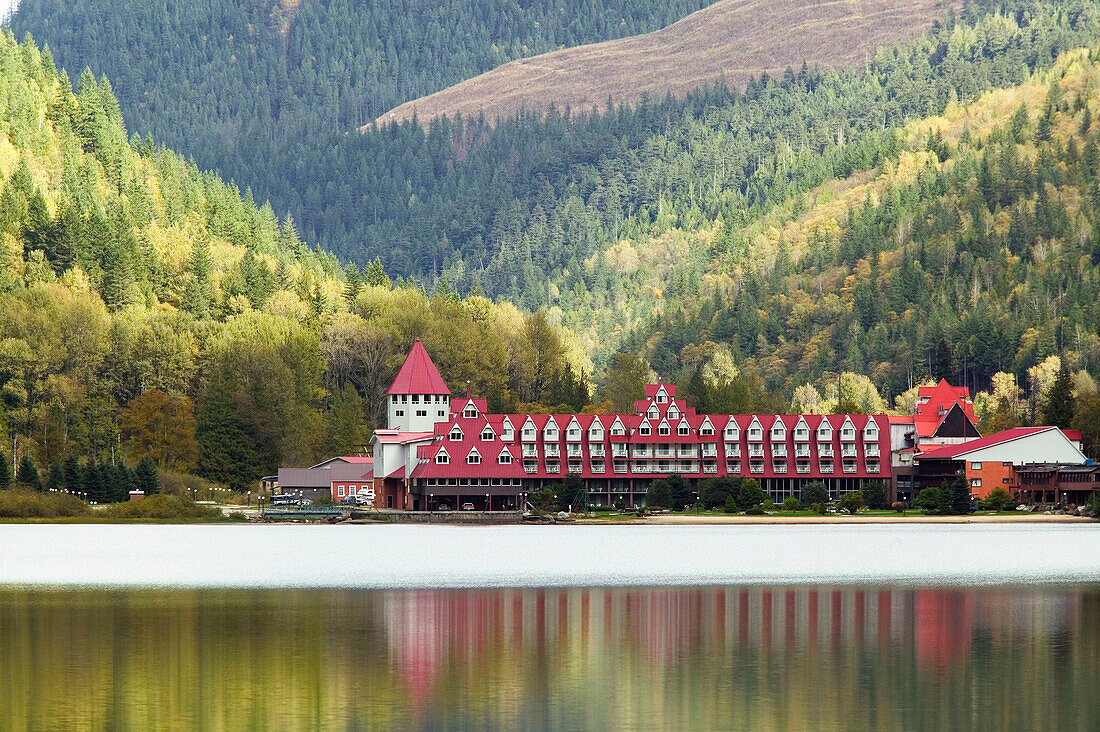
{"points": [[541, 645]]}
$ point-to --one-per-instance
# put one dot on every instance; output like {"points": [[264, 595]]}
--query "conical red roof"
{"points": [[418, 375]]}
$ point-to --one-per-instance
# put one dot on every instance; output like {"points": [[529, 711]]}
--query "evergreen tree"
{"points": [[1059, 407], [28, 474], [146, 478], [5, 472], [55, 478], [74, 475], [942, 367], [959, 496]]}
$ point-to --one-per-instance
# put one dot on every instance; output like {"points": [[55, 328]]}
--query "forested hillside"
{"points": [[149, 309], [262, 90]]}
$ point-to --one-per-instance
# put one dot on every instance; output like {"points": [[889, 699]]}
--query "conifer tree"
{"points": [[55, 478], [146, 478], [1059, 407], [28, 474], [5, 472]]}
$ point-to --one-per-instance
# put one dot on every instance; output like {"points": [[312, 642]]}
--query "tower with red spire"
{"points": [[418, 396]]}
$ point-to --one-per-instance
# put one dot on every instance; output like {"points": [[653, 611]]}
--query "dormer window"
{"points": [[706, 428], [653, 413], [645, 429], [442, 458], [731, 432], [487, 434], [505, 458], [673, 413], [596, 433], [683, 429], [474, 458], [456, 435], [662, 396], [508, 433], [617, 429], [664, 429], [470, 412]]}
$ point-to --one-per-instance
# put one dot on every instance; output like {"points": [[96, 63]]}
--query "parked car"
{"points": [[348, 501], [443, 507], [467, 507], [286, 499]]}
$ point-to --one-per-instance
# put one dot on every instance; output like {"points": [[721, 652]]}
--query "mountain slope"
{"points": [[135, 288], [734, 40]]}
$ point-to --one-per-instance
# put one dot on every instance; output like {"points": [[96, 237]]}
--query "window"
{"points": [[416, 398], [394, 399], [706, 429], [505, 458], [975, 466], [422, 413], [487, 435], [975, 482], [470, 411], [340, 491], [442, 458], [456, 435], [673, 413], [389, 501], [653, 413], [529, 433], [473, 458], [644, 429], [404, 398], [661, 397], [400, 412], [441, 413], [663, 429], [682, 430], [1006, 481]]}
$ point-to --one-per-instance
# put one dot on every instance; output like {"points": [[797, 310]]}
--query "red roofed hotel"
{"points": [[431, 454]]}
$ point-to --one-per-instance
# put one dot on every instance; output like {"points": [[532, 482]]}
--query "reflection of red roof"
{"points": [[418, 375], [953, 451]]}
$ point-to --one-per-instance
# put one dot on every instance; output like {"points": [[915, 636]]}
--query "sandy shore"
{"points": [[1023, 518]]}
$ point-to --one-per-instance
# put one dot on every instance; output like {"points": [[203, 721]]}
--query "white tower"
{"points": [[418, 397]]}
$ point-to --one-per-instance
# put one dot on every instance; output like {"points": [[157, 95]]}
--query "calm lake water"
{"points": [[835, 627], [709, 658]]}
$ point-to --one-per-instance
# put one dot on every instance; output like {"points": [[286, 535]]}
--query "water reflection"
{"points": [[707, 658]]}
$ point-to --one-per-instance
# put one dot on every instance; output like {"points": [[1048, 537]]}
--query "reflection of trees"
{"points": [[714, 657]]}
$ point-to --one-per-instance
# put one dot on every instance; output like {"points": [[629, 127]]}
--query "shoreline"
{"points": [[688, 520]]}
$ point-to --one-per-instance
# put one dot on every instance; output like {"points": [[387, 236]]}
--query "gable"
{"points": [[956, 424]]}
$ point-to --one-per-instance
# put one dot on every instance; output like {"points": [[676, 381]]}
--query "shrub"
{"points": [[731, 505], [874, 495], [23, 504], [792, 504], [851, 502], [325, 499], [659, 494], [898, 506], [160, 507], [237, 516], [768, 504], [815, 492], [1093, 505], [928, 500], [749, 494], [818, 508], [185, 484], [997, 499], [755, 511]]}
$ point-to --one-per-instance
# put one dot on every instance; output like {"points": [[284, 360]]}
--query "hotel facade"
{"points": [[437, 451]]}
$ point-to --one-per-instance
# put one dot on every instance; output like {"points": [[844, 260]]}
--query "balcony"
{"points": [[710, 468], [640, 451], [688, 451], [826, 466], [801, 450], [871, 449], [733, 467], [825, 450], [553, 467], [530, 451], [780, 467], [618, 450], [756, 451], [573, 450], [756, 468], [733, 450], [596, 449], [552, 450], [779, 450], [530, 468], [849, 466], [802, 467], [639, 468], [575, 466], [710, 450], [620, 468], [599, 467], [847, 450], [872, 467], [689, 467], [664, 451]]}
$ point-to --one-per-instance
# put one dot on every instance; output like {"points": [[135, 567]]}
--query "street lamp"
{"points": [[488, 506]]}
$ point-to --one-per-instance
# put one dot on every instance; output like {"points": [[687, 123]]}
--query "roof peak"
{"points": [[418, 375]]}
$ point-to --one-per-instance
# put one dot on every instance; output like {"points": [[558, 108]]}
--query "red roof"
{"points": [[418, 375], [953, 451]]}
